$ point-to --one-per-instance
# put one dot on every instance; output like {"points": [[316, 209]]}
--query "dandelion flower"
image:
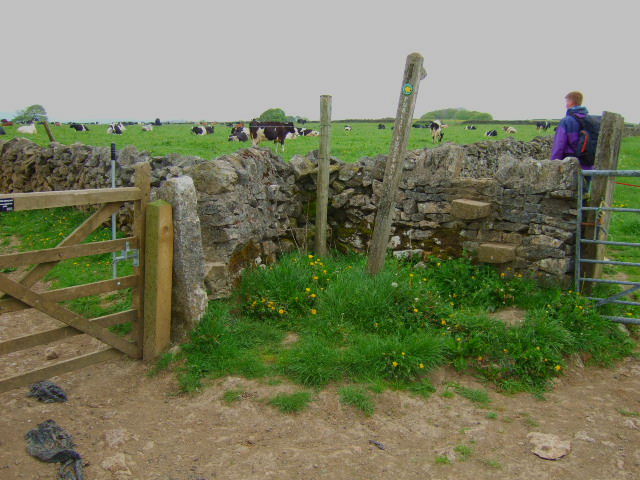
{"points": [[313, 295], [395, 364], [307, 289], [315, 277], [314, 311], [310, 256], [443, 322], [557, 368], [416, 310], [422, 365], [403, 354], [281, 311]]}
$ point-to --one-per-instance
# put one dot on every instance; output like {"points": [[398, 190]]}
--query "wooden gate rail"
{"points": [[20, 296]]}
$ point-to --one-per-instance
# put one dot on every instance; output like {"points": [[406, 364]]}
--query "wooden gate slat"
{"points": [[77, 236], [64, 315], [76, 363], [58, 254], [71, 293], [48, 336], [71, 198]]}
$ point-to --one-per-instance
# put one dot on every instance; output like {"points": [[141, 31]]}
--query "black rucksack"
{"points": [[588, 139]]}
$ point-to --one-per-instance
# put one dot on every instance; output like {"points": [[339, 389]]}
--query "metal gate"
{"points": [[599, 233]]}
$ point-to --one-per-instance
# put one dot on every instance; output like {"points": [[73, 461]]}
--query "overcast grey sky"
{"points": [[138, 59]]}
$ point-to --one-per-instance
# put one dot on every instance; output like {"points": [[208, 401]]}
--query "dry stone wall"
{"points": [[499, 199]]}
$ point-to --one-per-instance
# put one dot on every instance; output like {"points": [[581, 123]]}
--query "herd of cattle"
{"points": [[257, 131]]}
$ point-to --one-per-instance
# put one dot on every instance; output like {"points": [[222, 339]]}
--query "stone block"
{"points": [[470, 209], [496, 253]]}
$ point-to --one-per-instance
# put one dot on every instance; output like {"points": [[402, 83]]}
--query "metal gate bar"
{"points": [[579, 241]]}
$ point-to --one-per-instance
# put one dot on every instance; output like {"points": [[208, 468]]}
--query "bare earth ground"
{"points": [[130, 426]]}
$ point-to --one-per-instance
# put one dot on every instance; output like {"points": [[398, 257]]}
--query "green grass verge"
{"points": [[291, 403]]}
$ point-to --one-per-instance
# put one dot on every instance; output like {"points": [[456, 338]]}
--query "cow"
{"points": [[273, 131], [491, 133], [509, 129], [29, 129], [116, 129], [543, 125], [6, 123], [347, 128], [2, 132], [203, 130], [157, 122], [436, 131], [147, 128], [78, 127], [470, 127], [307, 132], [239, 134], [381, 126]]}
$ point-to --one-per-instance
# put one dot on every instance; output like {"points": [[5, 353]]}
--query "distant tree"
{"points": [[456, 114], [34, 112], [273, 115]]}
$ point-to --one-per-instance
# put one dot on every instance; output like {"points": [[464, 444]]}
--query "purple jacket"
{"points": [[566, 141]]}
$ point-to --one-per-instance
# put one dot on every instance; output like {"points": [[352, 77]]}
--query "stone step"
{"points": [[496, 252], [468, 209]]}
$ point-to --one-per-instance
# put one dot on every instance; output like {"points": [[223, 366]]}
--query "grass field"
{"points": [[364, 140]]}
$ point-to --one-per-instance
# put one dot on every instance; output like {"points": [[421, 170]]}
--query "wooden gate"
{"points": [[17, 294]]}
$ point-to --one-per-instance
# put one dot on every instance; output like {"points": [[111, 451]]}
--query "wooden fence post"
{"points": [[602, 189], [142, 180], [158, 278], [413, 73], [322, 198], [47, 128]]}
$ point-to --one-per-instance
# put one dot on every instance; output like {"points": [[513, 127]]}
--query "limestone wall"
{"points": [[500, 199]]}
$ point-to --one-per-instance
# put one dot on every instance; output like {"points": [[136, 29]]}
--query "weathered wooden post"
{"points": [[158, 278], [142, 180], [322, 196], [602, 188], [413, 73], [47, 128]]}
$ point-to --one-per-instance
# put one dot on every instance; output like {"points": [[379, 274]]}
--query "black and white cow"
{"points": [[347, 128], [79, 127], [509, 129], [543, 125], [239, 134], [116, 129], [437, 133], [274, 131], [147, 128], [470, 127], [491, 133], [381, 126], [307, 132], [203, 130]]}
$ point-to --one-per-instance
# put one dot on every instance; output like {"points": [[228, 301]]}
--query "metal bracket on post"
{"points": [[128, 254]]}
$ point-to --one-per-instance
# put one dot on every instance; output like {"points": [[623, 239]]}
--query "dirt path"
{"points": [[128, 425]]}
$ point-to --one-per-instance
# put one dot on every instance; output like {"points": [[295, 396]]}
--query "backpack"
{"points": [[588, 139]]}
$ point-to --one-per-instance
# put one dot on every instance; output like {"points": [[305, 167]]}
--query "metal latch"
{"points": [[128, 254]]}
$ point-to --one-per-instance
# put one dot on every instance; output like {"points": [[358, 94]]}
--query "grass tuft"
{"points": [[359, 398], [291, 403]]}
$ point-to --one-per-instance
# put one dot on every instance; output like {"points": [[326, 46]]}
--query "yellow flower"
{"points": [[313, 295], [505, 350], [537, 348], [281, 311], [411, 275], [503, 274], [422, 365], [314, 311], [307, 289], [443, 322], [395, 364], [310, 256], [557, 368], [416, 310], [458, 339], [403, 354], [438, 264], [315, 277]]}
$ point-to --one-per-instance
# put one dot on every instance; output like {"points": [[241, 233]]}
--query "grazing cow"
{"points": [[203, 130], [147, 128], [470, 127], [28, 129], [2, 132], [436, 131], [239, 134], [78, 127], [116, 129], [491, 133], [157, 122], [543, 125], [274, 131], [307, 132], [509, 129], [347, 128], [381, 126]]}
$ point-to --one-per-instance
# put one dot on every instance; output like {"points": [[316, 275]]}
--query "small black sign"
{"points": [[6, 204]]}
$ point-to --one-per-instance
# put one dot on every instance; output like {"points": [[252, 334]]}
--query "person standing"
{"points": [[565, 143]]}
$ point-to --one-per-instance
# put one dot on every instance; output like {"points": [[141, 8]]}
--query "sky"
{"points": [[223, 61]]}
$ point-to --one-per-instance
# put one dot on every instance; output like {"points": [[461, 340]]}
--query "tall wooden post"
{"points": [[158, 278], [47, 128], [322, 198], [142, 180], [602, 189], [413, 73]]}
